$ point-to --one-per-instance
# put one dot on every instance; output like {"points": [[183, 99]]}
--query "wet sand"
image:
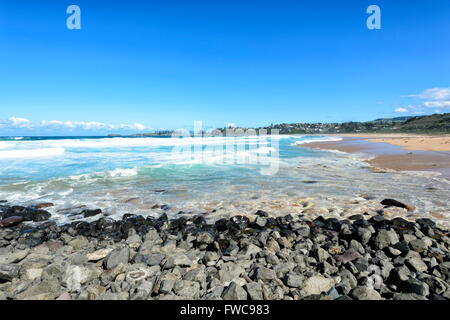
{"points": [[410, 141], [390, 156]]}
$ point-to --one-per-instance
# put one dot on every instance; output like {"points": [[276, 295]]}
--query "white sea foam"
{"points": [[31, 153], [123, 172], [330, 139]]}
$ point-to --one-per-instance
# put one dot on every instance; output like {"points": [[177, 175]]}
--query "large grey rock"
{"points": [[74, 277], [416, 264], [187, 289], [13, 257], [117, 257], [293, 280], [45, 290], [316, 285], [418, 245], [9, 271], [234, 292], [364, 293], [385, 238], [254, 290], [230, 271], [180, 260], [263, 273], [98, 254]]}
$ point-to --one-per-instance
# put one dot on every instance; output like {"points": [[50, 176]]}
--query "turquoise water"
{"points": [[215, 176]]}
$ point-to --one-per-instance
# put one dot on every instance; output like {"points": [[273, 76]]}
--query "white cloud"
{"points": [[431, 98], [434, 94], [401, 110], [437, 104], [21, 123]]}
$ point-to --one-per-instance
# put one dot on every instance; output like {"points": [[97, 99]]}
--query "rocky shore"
{"points": [[364, 257]]}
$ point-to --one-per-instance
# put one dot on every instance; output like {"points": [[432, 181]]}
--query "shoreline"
{"points": [[362, 257], [390, 152]]}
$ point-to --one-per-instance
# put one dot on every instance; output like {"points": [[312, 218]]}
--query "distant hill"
{"points": [[432, 124], [436, 123]]}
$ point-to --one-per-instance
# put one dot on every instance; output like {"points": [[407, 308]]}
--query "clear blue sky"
{"points": [[164, 64]]}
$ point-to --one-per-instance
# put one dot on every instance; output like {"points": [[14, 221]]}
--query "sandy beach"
{"points": [[400, 152], [409, 141]]}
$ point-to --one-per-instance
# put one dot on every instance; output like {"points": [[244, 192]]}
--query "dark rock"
{"points": [[262, 213], [90, 213], [10, 221], [395, 203], [414, 286], [239, 222], [222, 224]]}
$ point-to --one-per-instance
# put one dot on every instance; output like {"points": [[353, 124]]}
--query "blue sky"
{"points": [[135, 66]]}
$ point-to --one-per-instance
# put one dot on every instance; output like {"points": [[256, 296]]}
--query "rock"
{"points": [[333, 293], [234, 292], [116, 257], [355, 245], [262, 213], [204, 238], [134, 241], [180, 260], [261, 222], [9, 271], [395, 203], [33, 273], [316, 285], [392, 252], [263, 273], [418, 245], [79, 243], [385, 238], [415, 286], [416, 264], [45, 290], [13, 257], [41, 215], [10, 221], [321, 254], [251, 250], [74, 277], [136, 275], [348, 255], [99, 254], [230, 271], [408, 296], [43, 205], [399, 274], [64, 296], [364, 293], [254, 290], [90, 213], [293, 280], [187, 289]]}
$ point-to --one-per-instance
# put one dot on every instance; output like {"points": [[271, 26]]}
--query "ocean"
{"points": [[213, 176]]}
